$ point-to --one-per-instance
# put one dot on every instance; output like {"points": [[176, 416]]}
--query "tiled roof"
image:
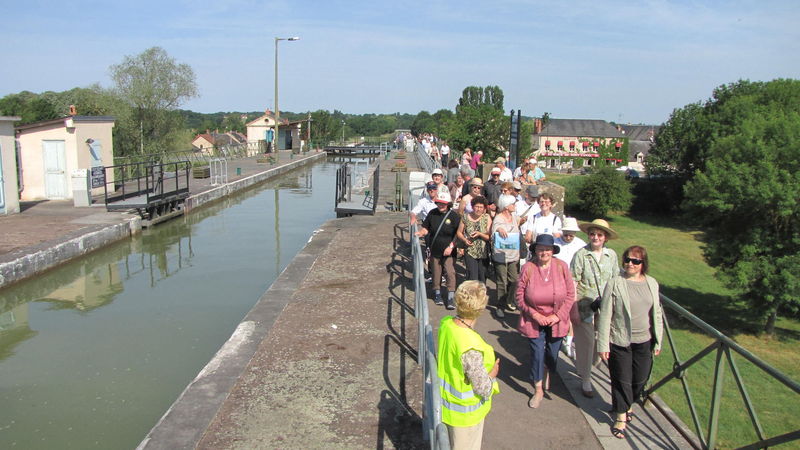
{"points": [[580, 128], [637, 146], [640, 132]]}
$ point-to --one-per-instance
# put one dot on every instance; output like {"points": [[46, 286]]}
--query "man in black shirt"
{"points": [[491, 190], [439, 229]]}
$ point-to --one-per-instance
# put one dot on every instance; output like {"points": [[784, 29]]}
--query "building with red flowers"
{"points": [[563, 143]]}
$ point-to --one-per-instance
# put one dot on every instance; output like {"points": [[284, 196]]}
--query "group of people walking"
{"points": [[559, 286]]}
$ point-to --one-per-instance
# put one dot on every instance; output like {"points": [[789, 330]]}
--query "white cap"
{"points": [[443, 197], [437, 172], [570, 224]]}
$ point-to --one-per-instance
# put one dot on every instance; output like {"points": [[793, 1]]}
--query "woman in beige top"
{"points": [[629, 330]]}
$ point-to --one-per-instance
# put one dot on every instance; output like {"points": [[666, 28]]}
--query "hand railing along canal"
{"points": [[426, 163], [725, 347], [434, 431]]}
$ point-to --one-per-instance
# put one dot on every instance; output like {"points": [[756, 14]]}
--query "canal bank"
{"points": [[94, 351], [47, 234]]}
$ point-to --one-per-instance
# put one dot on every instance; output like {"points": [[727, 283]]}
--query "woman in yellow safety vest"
{"points": [[467, 369]]}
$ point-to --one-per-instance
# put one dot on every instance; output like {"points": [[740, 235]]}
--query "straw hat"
{"points": [[599, 224]]}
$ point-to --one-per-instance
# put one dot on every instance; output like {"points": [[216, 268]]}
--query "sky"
{"points": [[623, 61]]}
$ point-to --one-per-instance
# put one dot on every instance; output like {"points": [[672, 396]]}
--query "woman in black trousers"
{"points": [[629, 331]]}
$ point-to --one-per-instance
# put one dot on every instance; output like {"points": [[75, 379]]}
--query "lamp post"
{"points": [[277, 111], [342, 132]]}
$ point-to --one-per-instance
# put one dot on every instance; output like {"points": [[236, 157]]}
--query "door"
{"points": [[55, 173]]}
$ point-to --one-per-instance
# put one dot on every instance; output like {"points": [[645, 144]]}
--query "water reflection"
{"points": [[93, 352]]}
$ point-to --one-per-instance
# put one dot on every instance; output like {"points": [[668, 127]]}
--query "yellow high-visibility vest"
{"points": [[461, 407]]}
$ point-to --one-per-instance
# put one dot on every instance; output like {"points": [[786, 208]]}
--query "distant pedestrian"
{"points": [[466, 158], [535, 173], [505, 173], [476, 189], [452, 171], [456, 188], [492, 190], [629, 332], [476, 162], [467, 369], [444, 149]]}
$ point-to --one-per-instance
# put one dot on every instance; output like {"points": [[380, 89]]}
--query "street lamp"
{"points": [[342, 132], [277, 112]]}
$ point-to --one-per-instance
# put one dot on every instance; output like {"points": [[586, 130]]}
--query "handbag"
{"points": [[595, 305]]}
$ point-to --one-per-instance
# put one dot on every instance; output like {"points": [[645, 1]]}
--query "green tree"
{"points": [[479, 122], [745, 192], [442, 118], [324, 127], [423, 123], [605, 190], [233, 122], [154, 85], [526, 139], [680, 146], [29, 107]]}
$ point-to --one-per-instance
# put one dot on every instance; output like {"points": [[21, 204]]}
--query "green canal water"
{"points": [[93, 353]]}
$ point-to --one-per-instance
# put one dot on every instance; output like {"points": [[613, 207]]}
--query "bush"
{"points": [[605, 190], [661, 196]]}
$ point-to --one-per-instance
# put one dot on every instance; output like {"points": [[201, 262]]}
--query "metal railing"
{"points": [[219, 171], [154, 181], [433, 430], [349, 178], [426, 163], [724, 347], [196, 157]]}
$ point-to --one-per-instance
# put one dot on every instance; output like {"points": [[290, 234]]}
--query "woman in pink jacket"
{"points": [[545, 294]]}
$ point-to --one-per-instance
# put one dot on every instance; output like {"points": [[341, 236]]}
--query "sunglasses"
{"points": [[634, 261]]}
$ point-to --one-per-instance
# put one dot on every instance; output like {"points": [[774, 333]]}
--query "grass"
{"points": [[676, 261]]}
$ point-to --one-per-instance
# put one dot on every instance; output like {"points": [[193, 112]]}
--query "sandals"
{"points": [[535, 400], [618, 433], [629, 416]]}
